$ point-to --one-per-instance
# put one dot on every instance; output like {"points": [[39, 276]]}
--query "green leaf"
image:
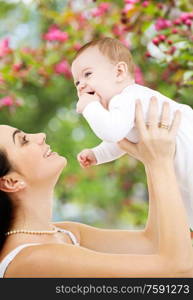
{"points": [[188, 75], [51, 58], [6, 8]]}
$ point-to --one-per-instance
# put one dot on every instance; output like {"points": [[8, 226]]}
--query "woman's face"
{"points": [[30, 155]]}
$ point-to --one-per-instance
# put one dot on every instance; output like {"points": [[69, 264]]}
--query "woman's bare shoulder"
{"points": [[59, 260], [67, 260], [34, 260]]}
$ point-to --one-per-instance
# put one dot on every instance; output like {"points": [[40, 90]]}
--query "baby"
{"points": [[103, 73]]}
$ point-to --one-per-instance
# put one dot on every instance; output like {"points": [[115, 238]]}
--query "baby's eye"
{"points": [[24, 140], [87, 74], [76, 83]]}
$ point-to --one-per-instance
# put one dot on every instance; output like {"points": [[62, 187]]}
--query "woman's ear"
{"points": [[10, 184], [121, 71]]}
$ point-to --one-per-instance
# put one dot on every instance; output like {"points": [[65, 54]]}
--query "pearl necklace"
{"points": [[32, 231]]}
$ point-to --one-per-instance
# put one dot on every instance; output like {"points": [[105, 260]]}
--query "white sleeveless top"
{"points": [[9, 257]]}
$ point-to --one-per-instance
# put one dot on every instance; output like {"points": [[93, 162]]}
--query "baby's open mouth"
{"points": [[91, 93]]}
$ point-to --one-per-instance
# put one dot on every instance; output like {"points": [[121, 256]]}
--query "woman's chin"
{"points": [[64, 161], [60, 162], [61, 165]]}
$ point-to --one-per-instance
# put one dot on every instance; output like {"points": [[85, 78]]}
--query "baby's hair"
{"points": [[113, 49]]}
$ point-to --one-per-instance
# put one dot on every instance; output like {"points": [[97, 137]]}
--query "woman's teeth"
{"points": [[48, 153]]}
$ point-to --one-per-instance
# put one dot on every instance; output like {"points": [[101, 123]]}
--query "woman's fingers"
{"points": [[175, 123], [152, 115], [139, 119], [165, 115]]}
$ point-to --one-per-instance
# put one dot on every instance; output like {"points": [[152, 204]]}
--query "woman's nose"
{"points": [[41, 137]]}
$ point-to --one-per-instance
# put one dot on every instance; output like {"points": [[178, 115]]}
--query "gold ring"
{"points": [[161, 125]]}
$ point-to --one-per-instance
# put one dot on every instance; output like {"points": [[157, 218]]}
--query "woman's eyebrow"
{"points": [[14, 133], [85, 69]]}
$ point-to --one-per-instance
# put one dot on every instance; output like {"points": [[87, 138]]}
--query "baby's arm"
{"points": [[106, 152], [114, 124]]}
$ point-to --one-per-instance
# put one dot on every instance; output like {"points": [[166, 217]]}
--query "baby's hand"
{"points": [[86, 158], [84, 100]]}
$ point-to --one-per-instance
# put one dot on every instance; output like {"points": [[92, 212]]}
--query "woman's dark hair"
{"points": [[6, 207]]}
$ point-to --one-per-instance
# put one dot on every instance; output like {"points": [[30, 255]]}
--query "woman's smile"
{"points": [[52, 154]]}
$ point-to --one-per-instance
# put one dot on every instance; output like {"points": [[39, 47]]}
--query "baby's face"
{"points": [[94, 73]]}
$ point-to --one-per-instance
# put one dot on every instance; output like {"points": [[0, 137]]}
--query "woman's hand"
{"points": [[156, 138]]}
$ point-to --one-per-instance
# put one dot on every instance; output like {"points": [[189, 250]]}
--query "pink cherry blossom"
{"points": [[185, 16], [96, 12], [53, 27], [81, 20], [6, 101], [131, 1], [191, 15], [55, 34], [172, 50], [169, 42], [162, 37], [145, 3], [104, 6], [188, 22], [174, 30], [147, 54], [160, 5], [4, 47], [77, 46], [17, 67], [128, 7], [100, 10], [162, 24], [118, 29], [177, 22], [63, 68], [156, 41]]}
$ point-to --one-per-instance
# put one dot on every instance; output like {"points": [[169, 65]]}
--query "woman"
{"points": [[28, 177]]}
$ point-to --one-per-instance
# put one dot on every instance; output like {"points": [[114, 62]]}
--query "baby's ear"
{"points": [[121, 71]]}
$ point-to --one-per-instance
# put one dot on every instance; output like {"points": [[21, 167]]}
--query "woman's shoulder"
{"points": [[33, 256], [73, 227], [39, 260]]}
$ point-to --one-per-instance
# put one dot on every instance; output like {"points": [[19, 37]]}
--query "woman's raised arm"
{"points": [[156, 150], [174, 256]]}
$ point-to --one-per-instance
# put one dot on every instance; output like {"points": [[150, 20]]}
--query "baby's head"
{"points": [[104, 66]]}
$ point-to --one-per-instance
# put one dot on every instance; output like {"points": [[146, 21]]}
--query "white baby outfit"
{"points": [[118, 122]]}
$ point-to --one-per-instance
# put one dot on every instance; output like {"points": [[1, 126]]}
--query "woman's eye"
{"points": [[87, 74], [24, 140]]}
